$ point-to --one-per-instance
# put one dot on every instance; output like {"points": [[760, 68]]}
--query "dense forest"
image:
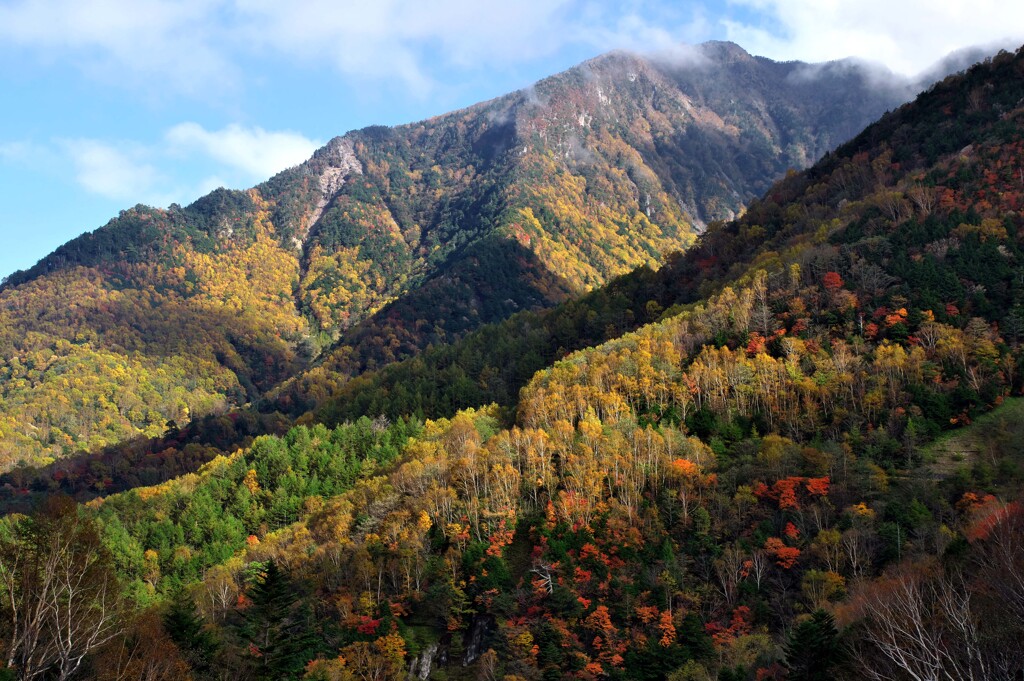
{"points": [[790, 452], [392, 240]]}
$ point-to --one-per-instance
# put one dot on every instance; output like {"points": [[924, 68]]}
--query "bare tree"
{"points": [[546, 572], [61, 597], [857, 550], [928, 623], [871, 277], [924, 198], [1002, 560], [762, 316], [893, 205], [758, 568], [999, 584], [729, 570], [905, 629], [145, 653]]}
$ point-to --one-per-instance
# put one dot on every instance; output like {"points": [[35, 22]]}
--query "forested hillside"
{"points": [[759, 484], [389, 240]]}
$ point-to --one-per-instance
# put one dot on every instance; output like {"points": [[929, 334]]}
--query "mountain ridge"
{"points": [[593, 171]]}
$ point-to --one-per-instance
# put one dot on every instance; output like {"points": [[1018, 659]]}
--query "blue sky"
{"points": [[109, 103]]}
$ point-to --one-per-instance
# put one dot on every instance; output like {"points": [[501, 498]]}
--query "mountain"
{"points": [[391, 239], [741, 489]]}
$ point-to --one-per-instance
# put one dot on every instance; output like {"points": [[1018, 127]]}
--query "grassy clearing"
{"points": [[987, 448]]}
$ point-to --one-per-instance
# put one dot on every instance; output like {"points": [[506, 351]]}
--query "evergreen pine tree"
{"points": [[278, 627], [814, 650], [184, 625]]}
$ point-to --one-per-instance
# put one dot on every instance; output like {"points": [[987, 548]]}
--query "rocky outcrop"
{"points": [[341, 163]]}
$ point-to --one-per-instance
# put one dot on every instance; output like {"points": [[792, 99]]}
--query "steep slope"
{"points": [[607, 166], [517, 203], [880, 290], [899, 171]]}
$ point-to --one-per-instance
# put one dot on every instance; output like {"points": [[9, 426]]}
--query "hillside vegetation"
{"points": [[741, 489], [389, 240]]}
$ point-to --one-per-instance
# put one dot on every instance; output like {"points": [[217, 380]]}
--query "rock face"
{"points": [[341, 163], [423, 664], [475, 637]]}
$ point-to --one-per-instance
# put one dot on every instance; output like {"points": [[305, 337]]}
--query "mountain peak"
{"points": [[724, 50], [388, 240]]}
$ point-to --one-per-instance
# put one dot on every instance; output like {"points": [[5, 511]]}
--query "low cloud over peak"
{"points": [[191, 45], [907, 36], [255, 151]]}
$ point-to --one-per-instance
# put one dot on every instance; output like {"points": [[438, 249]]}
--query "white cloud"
{"points": [[162, 43], [164, 172], [15, 151], [406, 40], [191, 45], [202, 47], [210, 183], [908, 36], [255, 151], [112, 172], [649, 27]]}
